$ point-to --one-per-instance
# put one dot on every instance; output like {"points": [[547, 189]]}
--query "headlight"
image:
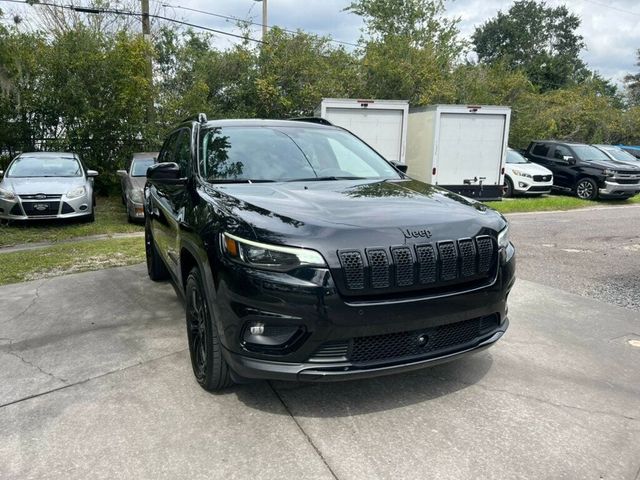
{"points": [[519, 173], [503, 237], [609, 173], [7, 195], [76, 192], [269, 257], [136, 196]]}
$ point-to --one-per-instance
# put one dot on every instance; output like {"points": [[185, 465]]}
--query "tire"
{"points": [[209, 366], [586, 189], [508, 188], [156, 268]]}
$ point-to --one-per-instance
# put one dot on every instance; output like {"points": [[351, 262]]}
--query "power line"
{"points": [[91, 10], [237, 19], [611, 7]]}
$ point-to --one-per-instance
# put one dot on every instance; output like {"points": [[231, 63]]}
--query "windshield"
{"points": [[139, 167], [589, 153], [287, 154], [515, 157], [620, 154], [45, 167]]}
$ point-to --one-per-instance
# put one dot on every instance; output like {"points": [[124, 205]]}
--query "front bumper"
{"points": [[328, 372], [615, 189], [58, 207], [524, 185], [322, 317]]}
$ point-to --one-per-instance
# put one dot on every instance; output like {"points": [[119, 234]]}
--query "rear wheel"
{"points": [[586, 189], [209, 366], [508, 187], [156, 268]]}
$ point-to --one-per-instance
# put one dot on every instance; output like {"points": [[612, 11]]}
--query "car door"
{"points": [[160, 207], [563, 171]]}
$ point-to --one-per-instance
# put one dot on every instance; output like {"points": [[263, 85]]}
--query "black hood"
{"points": [[349, 213], [615, 165]]}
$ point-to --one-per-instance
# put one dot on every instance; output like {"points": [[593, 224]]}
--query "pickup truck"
{"points": [[585, 170]]}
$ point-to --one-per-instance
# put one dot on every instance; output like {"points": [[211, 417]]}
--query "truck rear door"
{"points": [[470, 146], [382, 129]]}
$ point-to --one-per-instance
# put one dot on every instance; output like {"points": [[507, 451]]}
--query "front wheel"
{"points": [[508, 188], [586, 189], [209, 366]]}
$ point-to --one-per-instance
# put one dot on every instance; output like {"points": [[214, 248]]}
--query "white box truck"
{"points": [[459, 147], [380, 123]]}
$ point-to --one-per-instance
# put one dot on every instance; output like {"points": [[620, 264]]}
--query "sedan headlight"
{"points": [[520, 173], [76, 192], [269, 257], [7, 195], [503, 237], [136, 196]]}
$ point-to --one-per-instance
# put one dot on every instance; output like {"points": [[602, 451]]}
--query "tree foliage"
{"points": [[536, 38], [82, 86], [632, 84]]}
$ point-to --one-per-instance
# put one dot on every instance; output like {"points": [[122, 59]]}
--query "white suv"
{"points": [[524, 177]]}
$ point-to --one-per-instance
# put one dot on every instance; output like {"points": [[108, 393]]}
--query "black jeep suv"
{"points": [[585, 170], [304, 255]]}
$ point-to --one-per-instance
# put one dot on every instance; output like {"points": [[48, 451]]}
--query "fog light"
{"points": [[83, 207], [257, 329], [522, 185]]}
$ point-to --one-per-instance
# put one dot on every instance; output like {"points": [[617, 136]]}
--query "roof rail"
{"points": [[200, 118], [318, 120]]}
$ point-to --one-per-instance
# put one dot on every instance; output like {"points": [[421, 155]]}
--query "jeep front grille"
{"points": [[449, 262]]}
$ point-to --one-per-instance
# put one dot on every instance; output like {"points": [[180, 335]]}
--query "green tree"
{"points": [[409, 49], [536, 38], [632, 84]]}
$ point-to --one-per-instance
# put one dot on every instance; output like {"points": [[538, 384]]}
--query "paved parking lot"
{"points": [[95, 382]]}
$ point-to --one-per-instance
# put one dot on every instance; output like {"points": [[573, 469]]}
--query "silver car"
{"points": [[47, 185], [133, 182]]}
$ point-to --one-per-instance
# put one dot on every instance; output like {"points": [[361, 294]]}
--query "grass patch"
{"points": [[553, 202], [111, 217], [70, 258]]}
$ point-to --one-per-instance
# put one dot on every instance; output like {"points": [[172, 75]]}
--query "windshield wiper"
{"points": [[324, 179], [238, 180]]}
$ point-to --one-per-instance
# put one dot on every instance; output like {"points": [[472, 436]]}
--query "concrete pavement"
{"points": [[95, 382]]}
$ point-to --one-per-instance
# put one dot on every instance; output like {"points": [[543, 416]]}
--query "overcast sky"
{"points": [[611, 28]]}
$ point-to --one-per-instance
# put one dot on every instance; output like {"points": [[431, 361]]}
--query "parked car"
{"points": [[302, 254], [132, 182], [632, 149], [619, 154], [47, 185], [584, 170], [523, 177]]}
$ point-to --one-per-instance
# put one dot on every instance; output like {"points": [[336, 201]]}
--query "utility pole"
{"points": [[265, 21], [146, 33]]}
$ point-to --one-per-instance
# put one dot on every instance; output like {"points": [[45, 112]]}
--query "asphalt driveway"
{"points": [[95, 382]]}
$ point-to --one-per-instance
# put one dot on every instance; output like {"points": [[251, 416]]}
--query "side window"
{"points": [[560, 152], [167, 151], [183, 152], [541, 150]]}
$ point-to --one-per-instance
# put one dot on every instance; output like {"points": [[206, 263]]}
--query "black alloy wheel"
{"points": [[508, 187], [209, 366]]}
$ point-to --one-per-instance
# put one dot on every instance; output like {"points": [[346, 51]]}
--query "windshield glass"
{"points": [[620, 154], [515, 157], [45, 167], [140, 165], [589, 153], [287, 154]]}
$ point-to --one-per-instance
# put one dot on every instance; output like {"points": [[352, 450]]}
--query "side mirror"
{"points": [[400, 166], [121, 173], [92, 173], [166, 173], [569, 159]]}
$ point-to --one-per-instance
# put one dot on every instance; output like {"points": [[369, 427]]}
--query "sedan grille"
{"points": [[36, 209], [541, 178], [40, 196], [415, 267]]}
